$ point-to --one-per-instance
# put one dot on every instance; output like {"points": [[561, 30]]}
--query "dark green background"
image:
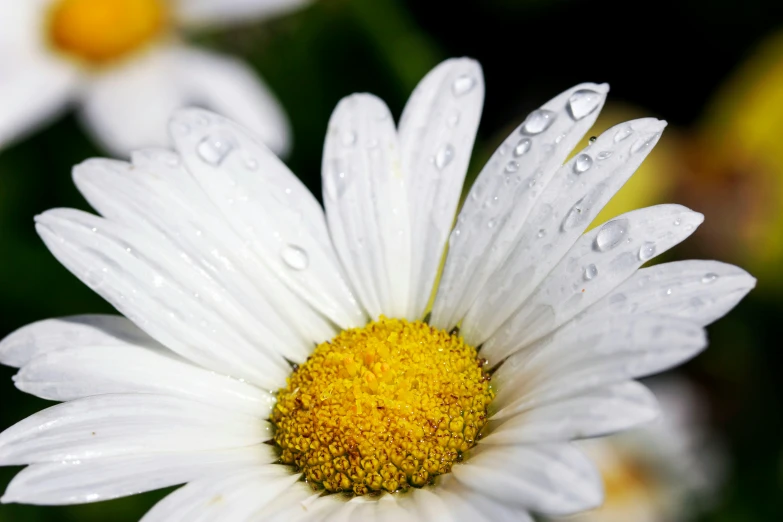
{"points": [[667, 57]]}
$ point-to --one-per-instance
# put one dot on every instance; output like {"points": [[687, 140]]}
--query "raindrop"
{"points": [[336, 180], [677, 222], [592, 139], [646, 251], [453, 119], [491, 223], [583, 163], [522, 147], [538, 121], [583, 102], [444, 156], [541, 232], [709, 278], [574, 216], [590, 272], [214, 149], [603, 155], [611, 234], [622, 134], [463, 85], [644, 143], [559, 138], [349, 138], [512, 166], [295, 257]]}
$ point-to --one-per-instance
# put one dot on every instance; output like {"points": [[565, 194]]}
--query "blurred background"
{"points": [[713, 69]]}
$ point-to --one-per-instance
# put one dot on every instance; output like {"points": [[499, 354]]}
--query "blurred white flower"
{"points": [[123, 64], [667, 471]]}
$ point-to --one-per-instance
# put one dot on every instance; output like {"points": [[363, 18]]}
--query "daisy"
{"points": [[124, 64], [277, 359], [666, 471]]}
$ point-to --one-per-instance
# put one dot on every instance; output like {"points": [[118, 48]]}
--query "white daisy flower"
{"points": [[667, 471], [229, 273], [122, 62]]}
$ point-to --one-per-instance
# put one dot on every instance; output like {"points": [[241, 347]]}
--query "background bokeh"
{"points": [[713, 69]]}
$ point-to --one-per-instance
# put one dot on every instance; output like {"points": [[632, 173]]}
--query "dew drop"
{"points": [[709, 278], [646, 251], [512, 166], [444, 156], [336, 180], [295, 257], [604, 154], [453, 119], [622, 134], [538, 121], [574, 216], [214, 149], [349, 138], [559, 138], [677, 222], [590, 272], [583, 163], [491, 223], [583, 102], [611, 234], [541, 232], [644, 143], [463, 85], [522, 147], [592, 139]]}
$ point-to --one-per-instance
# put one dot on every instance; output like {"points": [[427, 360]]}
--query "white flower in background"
{"points": [[667, 471], [228, 273], [123, 64]]}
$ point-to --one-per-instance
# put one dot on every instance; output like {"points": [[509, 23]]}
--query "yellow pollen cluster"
{"points": [[383, 407], [98, 31]]}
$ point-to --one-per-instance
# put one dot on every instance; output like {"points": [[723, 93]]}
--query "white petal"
{"points": [[229, 87], [127, 107], [280, 220], [157, 197], [563, 211], [597, 263], [437, 130], [141, 278], [59, 483], [116, 425], [555, 479], [211, 13], [236, 497], [588, 355], [86, 370], [33, 90], [39, 338], [592, 413], [467, 504], [365, 194], [503, 195], [701, 291]]}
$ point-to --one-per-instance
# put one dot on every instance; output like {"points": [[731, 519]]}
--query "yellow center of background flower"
{"points": [[98, 31], [383, 407]]}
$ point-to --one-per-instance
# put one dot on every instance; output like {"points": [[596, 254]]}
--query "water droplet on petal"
{"points": [[444, 156], [349, 138], [522, 147], [574, 216], [336, 180], [590, 272], [559, 138], [644, 143], [295, 257], [491, 223], [646, 251], [453, 119], [604, 154], [583, 102], [611, 234], [214, 149], [541, 233], [592, 139], [709, 278], [512, 166], [251, 164], [538, 121], [622, 134], [463, 85], [583, 163]]}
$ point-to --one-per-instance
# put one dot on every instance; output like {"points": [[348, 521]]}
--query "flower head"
{"points": [[123, 63], [229, 272]]}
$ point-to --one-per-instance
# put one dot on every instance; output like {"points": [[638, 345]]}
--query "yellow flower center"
{"points": [[98, 31], [383, 407]]}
